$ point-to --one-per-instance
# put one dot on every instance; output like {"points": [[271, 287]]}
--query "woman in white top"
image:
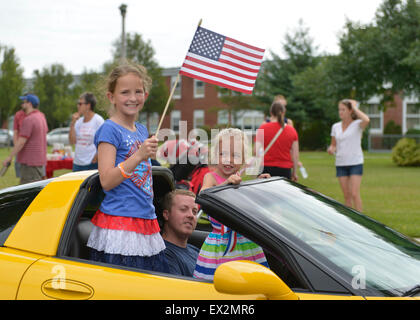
{"points": [[85, 122], [346, 137]]}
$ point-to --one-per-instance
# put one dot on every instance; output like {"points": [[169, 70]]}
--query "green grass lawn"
{"points": [[390, 194]]}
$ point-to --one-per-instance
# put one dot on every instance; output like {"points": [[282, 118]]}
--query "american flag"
{"points": [[222, 61]]}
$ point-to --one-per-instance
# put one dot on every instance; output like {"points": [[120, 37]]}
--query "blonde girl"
{"points": [[223, 244]]}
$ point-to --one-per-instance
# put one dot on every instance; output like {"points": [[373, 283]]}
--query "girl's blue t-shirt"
{"points": [[134, 196]]}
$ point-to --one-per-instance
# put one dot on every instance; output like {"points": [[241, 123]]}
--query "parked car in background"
{"points": [[6, 137], [59, 135]]}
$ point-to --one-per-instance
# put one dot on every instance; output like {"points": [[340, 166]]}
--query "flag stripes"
{"points": [[222, 61]]}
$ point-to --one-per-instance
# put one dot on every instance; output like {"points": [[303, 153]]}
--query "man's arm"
{"points": [[15, 136], [16, 149]]}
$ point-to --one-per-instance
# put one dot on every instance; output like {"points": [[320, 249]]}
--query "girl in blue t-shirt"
{"points": [[126, 231]]}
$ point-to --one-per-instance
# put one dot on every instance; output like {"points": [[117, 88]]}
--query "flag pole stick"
{"points": [[170, 97], [167, 104]]}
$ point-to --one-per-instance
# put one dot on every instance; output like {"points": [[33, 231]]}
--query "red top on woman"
{"points": [[279, 153]]}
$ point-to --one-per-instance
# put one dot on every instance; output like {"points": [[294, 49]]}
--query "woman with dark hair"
{"points": [[84, 124], [281, 144], [346, 137]]}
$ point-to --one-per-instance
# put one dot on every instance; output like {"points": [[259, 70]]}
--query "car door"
{"points": [[64, 136], [298, 271], [61, 136], [55, 278]]}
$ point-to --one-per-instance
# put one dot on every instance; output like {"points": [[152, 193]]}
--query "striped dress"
{"points": [[223, 245]]}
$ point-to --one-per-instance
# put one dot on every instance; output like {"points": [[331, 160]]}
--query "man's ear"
{"points": [[165, 214]]}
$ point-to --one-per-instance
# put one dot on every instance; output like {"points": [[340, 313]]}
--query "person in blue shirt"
{"points": [[180, 219], [126, 231]]}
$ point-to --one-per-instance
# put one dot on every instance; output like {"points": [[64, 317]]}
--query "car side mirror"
{"points": [[247, 277]]}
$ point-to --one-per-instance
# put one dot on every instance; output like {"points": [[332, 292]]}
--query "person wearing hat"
{"points": [[31, 144]]}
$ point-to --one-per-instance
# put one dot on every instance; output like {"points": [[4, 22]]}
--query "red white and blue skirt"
{"points": [[127, 241]]}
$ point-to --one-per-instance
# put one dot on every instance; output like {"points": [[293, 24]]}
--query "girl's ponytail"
{"points": [[277, 110]]}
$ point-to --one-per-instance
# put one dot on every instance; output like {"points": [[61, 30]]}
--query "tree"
{"points": [[11, 83], [57, 99], [381, 57], [277, 76], [399, 22], [92, 81], [315, 86]]}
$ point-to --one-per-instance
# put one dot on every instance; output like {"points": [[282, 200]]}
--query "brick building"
{"points": [[405, 112], [196, 101]]}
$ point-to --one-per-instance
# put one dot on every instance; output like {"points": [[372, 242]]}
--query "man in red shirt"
{"points": [[31, 144]]}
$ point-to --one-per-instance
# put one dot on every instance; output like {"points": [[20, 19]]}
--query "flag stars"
{"points": [[207, 44]]}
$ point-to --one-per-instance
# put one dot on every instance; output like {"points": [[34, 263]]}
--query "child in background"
{"points": [[126, 231], [223, 244]]}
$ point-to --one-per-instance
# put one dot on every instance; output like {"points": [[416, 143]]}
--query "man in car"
{"points": [[180, 219], [31, 144]]}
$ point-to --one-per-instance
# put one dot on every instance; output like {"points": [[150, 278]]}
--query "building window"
{"points": [[177, 92], [175, 119], [412, 116], [153, 122], [150, 121], [223, 117], [375, 115], [222, 92], [198, 118], [143, 118], [249, 120], [198, 89]]}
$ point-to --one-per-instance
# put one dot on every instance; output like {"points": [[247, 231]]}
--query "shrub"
{"points": [[392, 128], [314, 136], [406, 152], [412, 131]]}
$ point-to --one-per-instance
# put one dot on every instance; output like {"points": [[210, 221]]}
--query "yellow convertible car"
{"points": [[316, 248]]}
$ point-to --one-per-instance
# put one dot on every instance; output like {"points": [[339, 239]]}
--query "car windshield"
{"points": [[355, 243]]}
